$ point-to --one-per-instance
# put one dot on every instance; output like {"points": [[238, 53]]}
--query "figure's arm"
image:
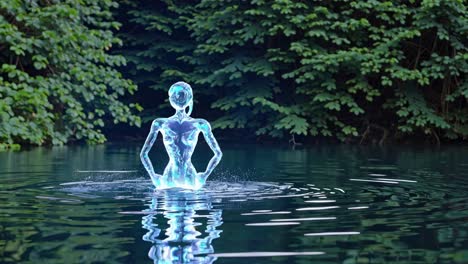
{"points": [[155, 126], [211, 140]]}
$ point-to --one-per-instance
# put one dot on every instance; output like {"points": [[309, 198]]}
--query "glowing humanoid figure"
{"points": [[180, 136]]}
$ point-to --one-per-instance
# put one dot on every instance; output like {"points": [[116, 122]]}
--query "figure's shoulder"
{"points": [[159, 122], [201, 123]]}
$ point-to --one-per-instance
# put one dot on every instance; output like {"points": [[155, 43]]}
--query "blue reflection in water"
{"points": [[180, 136], [181, 242]]}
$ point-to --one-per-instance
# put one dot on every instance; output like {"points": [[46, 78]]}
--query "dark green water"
{"points": [[262, 205]]}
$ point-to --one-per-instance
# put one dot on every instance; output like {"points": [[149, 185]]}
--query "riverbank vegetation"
{"points": [[354, 71], [58, 82]]}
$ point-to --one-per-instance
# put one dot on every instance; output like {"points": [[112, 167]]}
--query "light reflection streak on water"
{"points": [[267, 213], [317, 208], [377, 181], [261, 211], [272, 224], [333, 233], [397, 180], [320, 201], [304, 219], [377, 174], [339, 189], [266, 254], [358, 207]]}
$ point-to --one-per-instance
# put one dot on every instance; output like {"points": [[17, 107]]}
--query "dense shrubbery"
{"points": [[57, 82], [316, 68], [352, 70]]}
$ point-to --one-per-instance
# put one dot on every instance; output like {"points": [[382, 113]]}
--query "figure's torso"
{"points": [[180, 138]]}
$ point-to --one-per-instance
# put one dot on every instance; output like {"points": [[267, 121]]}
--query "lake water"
{"points": [[263, 204]]}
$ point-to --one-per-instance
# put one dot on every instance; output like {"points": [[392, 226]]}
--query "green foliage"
{"points": [[312, 68], [57, 80]]}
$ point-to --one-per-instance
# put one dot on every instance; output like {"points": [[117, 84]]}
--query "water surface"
{"points": [[327, 204]]}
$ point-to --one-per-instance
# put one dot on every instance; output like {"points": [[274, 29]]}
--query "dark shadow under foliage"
{"points": [[361, 71]]}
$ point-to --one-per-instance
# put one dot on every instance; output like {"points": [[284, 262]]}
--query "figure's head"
{"points": [[181, 96]]}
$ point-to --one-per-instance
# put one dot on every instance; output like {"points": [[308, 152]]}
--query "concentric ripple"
{"points": [[173, 217], [115, 183]]}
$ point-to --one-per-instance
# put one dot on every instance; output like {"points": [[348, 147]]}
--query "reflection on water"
{"points": [[263, 205], [182, 224], [180, 242]]}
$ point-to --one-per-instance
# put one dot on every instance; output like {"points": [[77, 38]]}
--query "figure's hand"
{"points": [[202, 175]]}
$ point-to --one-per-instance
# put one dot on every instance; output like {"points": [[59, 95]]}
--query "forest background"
{"points": [[368, 72]]}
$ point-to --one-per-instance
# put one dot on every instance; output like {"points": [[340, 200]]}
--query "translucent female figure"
{"points": [[180, 136]]}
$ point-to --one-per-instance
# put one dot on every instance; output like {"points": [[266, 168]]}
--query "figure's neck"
{"points": [[181, 114]]}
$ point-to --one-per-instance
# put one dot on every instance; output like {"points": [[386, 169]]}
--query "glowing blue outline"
{"points": [[180, 136]]}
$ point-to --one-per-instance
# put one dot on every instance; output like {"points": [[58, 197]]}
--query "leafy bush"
{"points": [[313, 68], [57, 81]]}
